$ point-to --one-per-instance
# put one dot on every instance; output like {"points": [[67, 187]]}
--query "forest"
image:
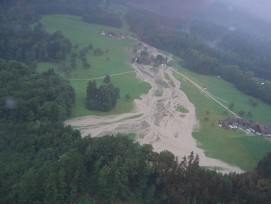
{"points": [[43, 161], [102, 98], [22, 43]]}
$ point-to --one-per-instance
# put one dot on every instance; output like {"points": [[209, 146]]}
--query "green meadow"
{"points": [[181, 109], [127, 83], [112, 62], [234, 147], [226, 93]]}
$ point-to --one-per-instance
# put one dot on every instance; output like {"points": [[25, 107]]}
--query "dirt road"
{"points": [[155, 118], [87, 79], [207, 93]]}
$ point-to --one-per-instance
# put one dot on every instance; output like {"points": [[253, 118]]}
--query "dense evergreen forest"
{"points": [[103, 98], [42, 161], [19, 41], [92, 11]]}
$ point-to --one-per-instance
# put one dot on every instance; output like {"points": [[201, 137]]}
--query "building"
{"points": [[248, 126]]}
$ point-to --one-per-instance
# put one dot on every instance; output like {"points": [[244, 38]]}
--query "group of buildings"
{"points": [[118, 36], [246, 125]]}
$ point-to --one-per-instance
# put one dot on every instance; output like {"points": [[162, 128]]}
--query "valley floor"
{"points": [[155, 119]]}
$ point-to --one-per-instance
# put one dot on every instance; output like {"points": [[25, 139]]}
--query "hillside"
{"points": [[91, 112]]}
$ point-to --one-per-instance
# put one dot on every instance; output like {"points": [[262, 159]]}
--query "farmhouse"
{"points": [[268, 127], [158, 61], [248, 126], [114, 35], [229, 123]]}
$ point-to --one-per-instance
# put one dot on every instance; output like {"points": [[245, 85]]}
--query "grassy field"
{"points": [[181, 109], [229, 94], [112, 62], [128, 85], [234, 147]]}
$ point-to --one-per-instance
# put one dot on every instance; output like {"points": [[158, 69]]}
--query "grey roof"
{"points": [[268, 128]]}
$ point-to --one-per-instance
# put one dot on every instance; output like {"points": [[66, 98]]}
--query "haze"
{"points": [[257, 8]]}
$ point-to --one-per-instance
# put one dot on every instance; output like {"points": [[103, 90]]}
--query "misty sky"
{"points": [[185, 8], [258, 8]]}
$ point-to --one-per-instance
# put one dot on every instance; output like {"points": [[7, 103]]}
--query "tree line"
{"points": [[91, 11], [252, 52], [21, 41]]}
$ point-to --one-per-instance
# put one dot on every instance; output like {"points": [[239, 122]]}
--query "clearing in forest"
{"points": [[113, 61]]}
